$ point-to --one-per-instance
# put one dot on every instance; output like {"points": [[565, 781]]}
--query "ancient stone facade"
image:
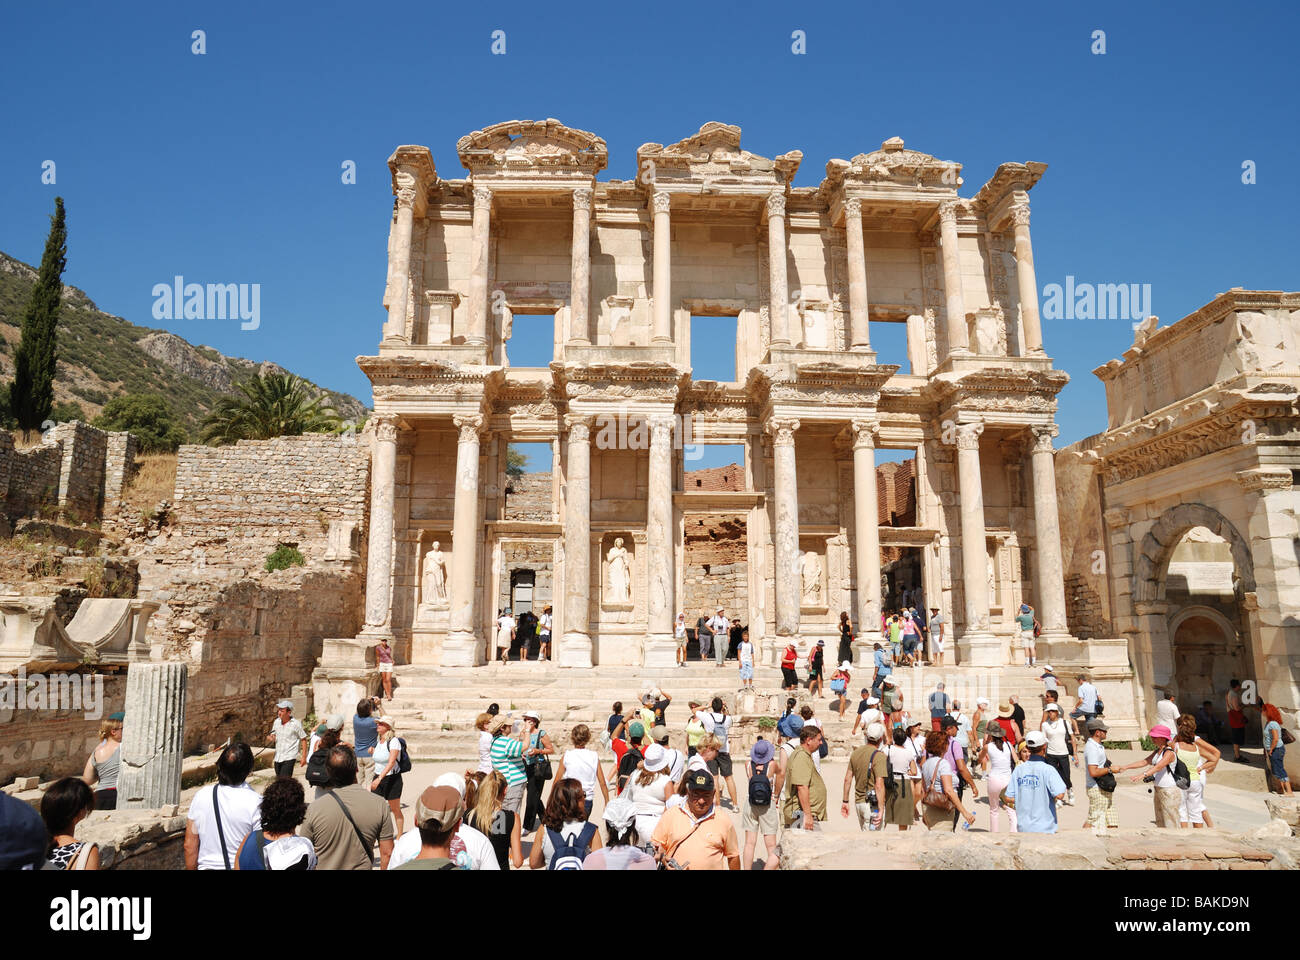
{"points": [[76, 468], [620, 268]]}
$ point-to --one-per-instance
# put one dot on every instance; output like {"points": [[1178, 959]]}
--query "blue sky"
{"points": [[226, 167]]}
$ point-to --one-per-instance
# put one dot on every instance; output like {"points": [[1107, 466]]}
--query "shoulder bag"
{"points": [[939, 800], [368, 847]]}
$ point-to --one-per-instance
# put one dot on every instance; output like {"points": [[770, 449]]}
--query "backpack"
{"points": [[760, 787], [1038, 628], [891, 785], [783, 726], [404, 761], [318, 774], [569, 856], [1182, 779], [824, 750]]}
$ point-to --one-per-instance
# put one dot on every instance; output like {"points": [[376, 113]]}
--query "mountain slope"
{"points": [[102, 356]]}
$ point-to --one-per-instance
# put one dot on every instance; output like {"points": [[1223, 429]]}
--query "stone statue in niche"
{"points": [[993, 584], [434, 576], [620, 574], [810, 577]]}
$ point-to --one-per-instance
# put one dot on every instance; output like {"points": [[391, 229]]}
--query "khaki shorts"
{"points": [[1101, 808], [761, 820]]}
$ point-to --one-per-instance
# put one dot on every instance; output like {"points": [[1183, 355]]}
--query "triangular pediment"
{"points": [[525, 144]]}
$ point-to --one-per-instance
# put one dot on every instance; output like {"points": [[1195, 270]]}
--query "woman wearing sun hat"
{"points": [[1159, 765], [761, 819], [1010, 728], [388, 779]]}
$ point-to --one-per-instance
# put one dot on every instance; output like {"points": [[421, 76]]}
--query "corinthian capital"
{"points": [[1020, 214], [782, 430], [661, 430], [470, 426], [482, 198], [968, 436], [853, 208], [865, 433], [661, 201], [579, 427], [582, 198], [948, 213], [776, 204], [407, 188], [1043, 435], [385, 427]]}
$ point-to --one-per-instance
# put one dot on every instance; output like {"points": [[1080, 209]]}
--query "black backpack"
{"points": [[760, 787], [318, 774], [404, 761], [891, 785]]}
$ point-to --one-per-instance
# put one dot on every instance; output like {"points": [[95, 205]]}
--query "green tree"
{"points": [[67, 411], [516, 461], [149, 417], [270, 405], [31, 394]]}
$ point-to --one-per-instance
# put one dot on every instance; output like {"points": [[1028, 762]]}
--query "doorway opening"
{"points": [[713, 348]]}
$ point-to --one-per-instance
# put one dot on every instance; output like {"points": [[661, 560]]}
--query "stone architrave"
{"points": [[866, 536], [379, 559], [1049, 580], [778, 308], [580, 269], [575, 646], [153, 735], [1026, 282], [958, 339], [662, 329], [859, 308], [478, 278], [981, 645], [787, 526], [660, 648], [462, 648]]}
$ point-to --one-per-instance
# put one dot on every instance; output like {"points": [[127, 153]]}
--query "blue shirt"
{"points": [[1032, 787], [365, 730], [882, 662]]}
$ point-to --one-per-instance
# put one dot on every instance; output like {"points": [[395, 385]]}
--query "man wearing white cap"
{"points": [[868, 712], [470, 849], [290, 739], [867, 775], [1035, 789], [721, 627]]}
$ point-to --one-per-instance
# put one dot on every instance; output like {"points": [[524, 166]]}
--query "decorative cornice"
{"points": [[1265, 478]]}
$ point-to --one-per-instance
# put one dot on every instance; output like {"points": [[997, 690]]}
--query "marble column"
{"points": [[153, 735], [662, 323], [581, 329], [478, 278], [575, 646], [398, 290], [463, 648], [778, 293], [859, 326], [660, 648], [958, 339], [866, 533], [1027, 284], [974, 550], [786, 570], [1050, 573], [379, 555]]}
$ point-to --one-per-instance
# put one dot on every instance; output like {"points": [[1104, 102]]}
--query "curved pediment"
{"points": [[524, 144], [715, 151], [893, 162]]}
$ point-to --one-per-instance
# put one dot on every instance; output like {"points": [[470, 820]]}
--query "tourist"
{"points": [[565, 836], [346, 823], [544, 633], [583, 764], [806, 712], [1208, 723], [647, 711], [502, 827], [998, 755], [659, 701], [1025, 618], [1005, 720], [840, 686], [24, 840], [892, 701], [538, 764], [676, 759], [438, 812], [896, 637], [365, 734], [902, 798], [937, 628], [1085, 700], [868, 778], [649, 788], [805, 791], [481, 723], [940, 703], [703, 759], [745, 652], [505, 635], [846, 637], [719, 625], [104, 761], [816, 668], [1157, 768], [955, 754], [388, 761], [328, 732], [733, 639], [938, 799], [222, 814], [384, 660], [979, 724], [694, 729], [718, 722], [276, 845], [1060, 747], [911, 640], [761, 816], [629, 752], [1035, 789], [1099, 779], [868, 712], [622, 850], [789, 679], [1167, 712], [64, 805], [697, 836], [1275, 748], [679, 635], [788, 747], [615, 720], [318, 763], [915, 731], [1236, 720], [884, 667], [704, 636], [508, 760], [525, 634], [964, 734], [290, 739], [1018, 716], [1200, 758]]}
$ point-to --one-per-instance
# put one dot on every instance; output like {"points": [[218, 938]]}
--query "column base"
{"points": [[980, 650], [462, 649], [864, 649], [373, 633], [660, 651], [574, 651]]}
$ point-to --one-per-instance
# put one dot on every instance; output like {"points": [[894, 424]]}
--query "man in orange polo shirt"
{"points": [[698, 836]]}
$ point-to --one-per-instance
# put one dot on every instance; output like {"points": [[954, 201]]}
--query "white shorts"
{"points": [[1027, 637], [385, 668], [1192, 807]]}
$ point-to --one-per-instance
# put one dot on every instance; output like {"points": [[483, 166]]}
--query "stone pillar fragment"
{"points": [[581, 329], [866, 525], [575, 645], [462, 648], [958, 340], [395, 330], [859, 309], [1050, 574], [660, 579], [787, 526], [478, 277], [379, 559], [662, 329], [976, 638], [778, 293], [153, 736], [1026, 282]]}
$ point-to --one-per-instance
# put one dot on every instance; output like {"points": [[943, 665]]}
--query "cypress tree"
{"points": [[31, 395]]}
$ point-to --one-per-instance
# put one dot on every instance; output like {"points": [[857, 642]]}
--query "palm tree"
{"points": [[269, 405]]}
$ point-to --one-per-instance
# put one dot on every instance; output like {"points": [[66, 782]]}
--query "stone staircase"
{"points": [[434, 708]]}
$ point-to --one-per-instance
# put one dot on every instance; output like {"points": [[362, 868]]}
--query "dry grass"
{"points": [[154, 481]]}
